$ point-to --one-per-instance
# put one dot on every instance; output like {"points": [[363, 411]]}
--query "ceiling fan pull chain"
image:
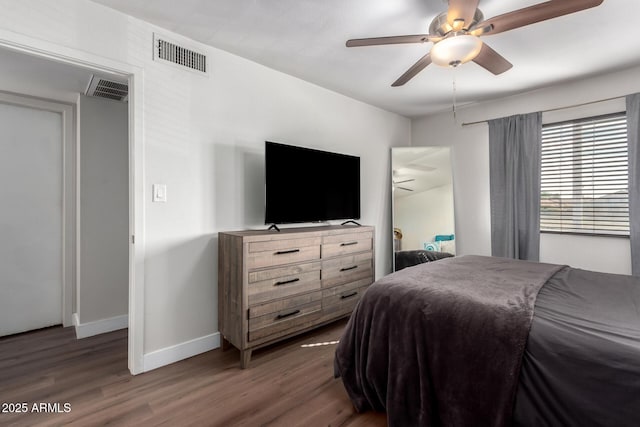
{"points": [[455, 121]]}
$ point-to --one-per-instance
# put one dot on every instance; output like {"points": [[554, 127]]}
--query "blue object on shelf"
{"points": [[443, 237], [431, 246]]}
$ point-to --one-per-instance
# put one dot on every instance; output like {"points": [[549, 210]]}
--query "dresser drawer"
{"points": [[283, 244], [346, 269], [284, 304], [279, 252], [273, 283], [276, 323], [346, 244], [342, 299], [346, 237]]}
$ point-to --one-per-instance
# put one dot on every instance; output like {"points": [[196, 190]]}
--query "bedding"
{"points": [[444, 343], [581, 366], [410, 258]]}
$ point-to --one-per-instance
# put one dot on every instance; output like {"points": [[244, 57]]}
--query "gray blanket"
{"points": [[406, 349]]}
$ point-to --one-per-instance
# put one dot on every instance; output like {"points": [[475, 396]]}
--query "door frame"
{"points": [[68, 243], [134, 74]]}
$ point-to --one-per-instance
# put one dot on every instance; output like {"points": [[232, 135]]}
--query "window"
{"points": [[584, 176]]}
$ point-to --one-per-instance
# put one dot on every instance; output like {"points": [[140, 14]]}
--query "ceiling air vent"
{"points": [[103, 88], [166, 50]]}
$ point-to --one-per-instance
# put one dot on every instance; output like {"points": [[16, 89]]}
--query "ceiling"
{"points": [[306, 39]]}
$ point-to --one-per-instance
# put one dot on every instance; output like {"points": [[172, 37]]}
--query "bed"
{"points": [[474, 341]]}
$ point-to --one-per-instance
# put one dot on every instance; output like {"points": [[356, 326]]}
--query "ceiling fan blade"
{"points": [[376, 41], [402, 182], [479, 31], [404, 188], [492, 61], [461, 10], [536, 13], [415, 69]]}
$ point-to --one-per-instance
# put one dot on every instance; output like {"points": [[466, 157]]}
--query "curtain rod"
{"points": [[554, 109]]}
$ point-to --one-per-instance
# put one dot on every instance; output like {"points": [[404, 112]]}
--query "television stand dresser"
{"points": [[273, 285]]}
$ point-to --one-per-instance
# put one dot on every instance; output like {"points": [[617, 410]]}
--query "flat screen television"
{"points": [[307, 185]]}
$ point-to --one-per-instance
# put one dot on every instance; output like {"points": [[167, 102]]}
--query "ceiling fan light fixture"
{"points": [[456, 50]]}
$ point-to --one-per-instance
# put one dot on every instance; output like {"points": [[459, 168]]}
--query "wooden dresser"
{"points": [[272, 285]]}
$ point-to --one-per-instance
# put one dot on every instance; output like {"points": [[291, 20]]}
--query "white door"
{"points": [[30, 219]]}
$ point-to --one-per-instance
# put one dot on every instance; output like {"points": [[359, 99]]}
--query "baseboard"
{"points": [[89, 329], [175, 353]]}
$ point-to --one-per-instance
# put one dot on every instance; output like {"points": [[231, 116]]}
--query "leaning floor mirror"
{"points": [[423, 213]]}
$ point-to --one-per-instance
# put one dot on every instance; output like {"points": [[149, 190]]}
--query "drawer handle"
{"points": [[352, 294], [348, 243], [291, 313], [284, 282], [290, 251], [349, 268]]}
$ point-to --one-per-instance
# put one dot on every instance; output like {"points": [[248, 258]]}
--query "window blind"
{"points": [[584, 176]]}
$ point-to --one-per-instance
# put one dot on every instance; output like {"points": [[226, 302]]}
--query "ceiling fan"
{"points": [[455, 34], [395, 184]]}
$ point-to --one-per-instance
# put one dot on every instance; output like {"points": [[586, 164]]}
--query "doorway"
{"points": [[73, 60]]}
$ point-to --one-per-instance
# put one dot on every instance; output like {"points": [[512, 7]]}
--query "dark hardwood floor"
{"points": [[286, 384]]}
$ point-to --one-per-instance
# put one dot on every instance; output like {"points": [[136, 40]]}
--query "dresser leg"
{"points": [[226, 345], [245, 356]]}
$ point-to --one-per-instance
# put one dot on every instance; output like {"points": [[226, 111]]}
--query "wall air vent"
{"points": [[169, 51], [104, 88]]}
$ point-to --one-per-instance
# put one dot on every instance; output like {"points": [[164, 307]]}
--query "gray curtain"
{"points": [[633, 138], [514, 161]]}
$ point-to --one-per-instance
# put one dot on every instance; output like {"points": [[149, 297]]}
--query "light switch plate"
{"points": [[159, 193]]}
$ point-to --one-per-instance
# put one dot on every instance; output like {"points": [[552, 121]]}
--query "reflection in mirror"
{"points": [[423, 216]]}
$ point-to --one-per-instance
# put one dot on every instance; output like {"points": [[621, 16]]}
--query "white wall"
{"points": [[103, 280], [470, 158], [204, 138], [423, 215]]}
